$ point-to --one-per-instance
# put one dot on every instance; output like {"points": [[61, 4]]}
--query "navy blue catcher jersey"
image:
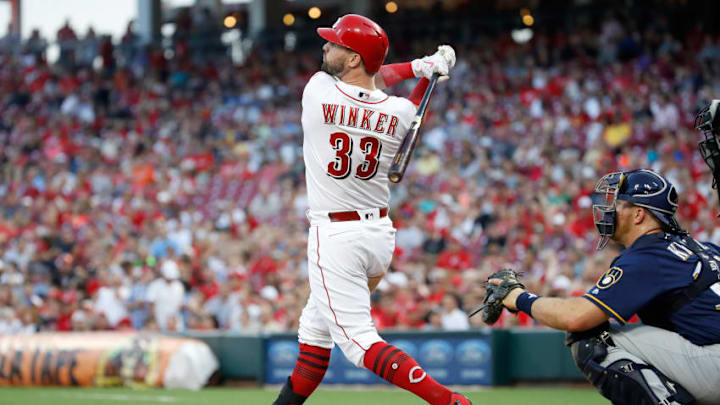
{"points": [[642, 278]]}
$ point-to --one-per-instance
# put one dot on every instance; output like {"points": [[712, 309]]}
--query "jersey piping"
{"points": [[605, 307]]}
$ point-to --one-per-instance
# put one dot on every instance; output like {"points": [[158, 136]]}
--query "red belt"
{"points": [[341, 216]]}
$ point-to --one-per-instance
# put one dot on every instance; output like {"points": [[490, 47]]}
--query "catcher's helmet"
{"points": [[644, 188], [362, 35], [708, 121]]}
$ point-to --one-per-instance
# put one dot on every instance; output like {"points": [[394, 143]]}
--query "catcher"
{"points": [[664, 276]]}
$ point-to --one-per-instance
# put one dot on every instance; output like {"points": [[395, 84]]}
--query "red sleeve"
{"points": [[396, 73], [419, 90]]}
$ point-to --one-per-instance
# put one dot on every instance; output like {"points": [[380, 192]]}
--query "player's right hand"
{"points": [[440, 62]]}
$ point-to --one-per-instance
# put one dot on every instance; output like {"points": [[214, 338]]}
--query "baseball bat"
{"points": [[402, 157]]}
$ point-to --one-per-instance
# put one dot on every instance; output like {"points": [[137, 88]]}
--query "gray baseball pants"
{"points": [[696, 368]]}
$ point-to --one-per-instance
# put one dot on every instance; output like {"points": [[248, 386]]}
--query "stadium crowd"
{"points": [[146, 192]]}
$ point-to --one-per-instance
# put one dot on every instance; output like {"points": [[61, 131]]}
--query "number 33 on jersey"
{"points": [[350, 136]]}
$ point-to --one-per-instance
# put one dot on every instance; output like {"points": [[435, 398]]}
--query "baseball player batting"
{"points": [[352, 130]]}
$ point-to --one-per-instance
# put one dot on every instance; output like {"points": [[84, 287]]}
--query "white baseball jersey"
{"points": [[350, 137]]}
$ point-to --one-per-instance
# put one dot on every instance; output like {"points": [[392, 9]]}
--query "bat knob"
{"points": [[394, 177]]}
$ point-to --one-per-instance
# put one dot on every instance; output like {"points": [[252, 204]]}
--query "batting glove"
{"points": [[440, 62], [448, 53]]}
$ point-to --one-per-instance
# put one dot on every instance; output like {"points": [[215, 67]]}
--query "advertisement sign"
{"points": [[452, 360], [105, 359]]}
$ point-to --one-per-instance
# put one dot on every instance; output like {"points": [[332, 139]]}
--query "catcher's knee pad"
{"points": [[626, 381], [588, 353]]}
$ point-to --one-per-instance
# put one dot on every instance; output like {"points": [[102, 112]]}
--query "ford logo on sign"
{"points": [[406, 346], [283, 354], [435, 353], [473, 352]]}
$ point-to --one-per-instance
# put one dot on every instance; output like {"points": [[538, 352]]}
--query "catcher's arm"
{"points": [[573, 314]]}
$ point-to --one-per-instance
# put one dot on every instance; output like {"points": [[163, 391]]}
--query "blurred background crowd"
{"points": [[146, 189]]}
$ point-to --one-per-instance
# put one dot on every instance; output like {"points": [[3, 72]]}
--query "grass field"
{"points": [[242, 396]]}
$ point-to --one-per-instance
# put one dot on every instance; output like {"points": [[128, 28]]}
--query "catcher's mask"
{"points": [[643, 188], [708, 121]]}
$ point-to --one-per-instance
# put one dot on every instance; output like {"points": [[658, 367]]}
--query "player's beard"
{"points": [[334, 69]]}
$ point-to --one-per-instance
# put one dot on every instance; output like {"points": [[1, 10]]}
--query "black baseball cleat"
{"points": [[459, 399], [288, 396]]}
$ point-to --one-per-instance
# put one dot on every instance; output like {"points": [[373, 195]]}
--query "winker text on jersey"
{"points": [[361, 118]]}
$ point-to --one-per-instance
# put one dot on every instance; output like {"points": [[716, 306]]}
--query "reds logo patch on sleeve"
{"points": [[609, 278]]}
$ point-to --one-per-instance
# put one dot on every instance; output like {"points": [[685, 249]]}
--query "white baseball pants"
{"points": [[341, 257]]}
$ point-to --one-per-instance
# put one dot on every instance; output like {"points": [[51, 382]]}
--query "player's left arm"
{"points": [[573, 314], [440, 62]]}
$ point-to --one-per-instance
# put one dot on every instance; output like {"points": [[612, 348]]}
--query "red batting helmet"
{"points": [[362, 35]]}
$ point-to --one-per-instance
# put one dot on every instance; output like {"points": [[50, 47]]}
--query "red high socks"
{"points": [[312, 362], [397, 367]]}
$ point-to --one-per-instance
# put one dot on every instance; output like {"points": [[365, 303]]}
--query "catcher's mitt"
{"points": [[494, 294]]}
